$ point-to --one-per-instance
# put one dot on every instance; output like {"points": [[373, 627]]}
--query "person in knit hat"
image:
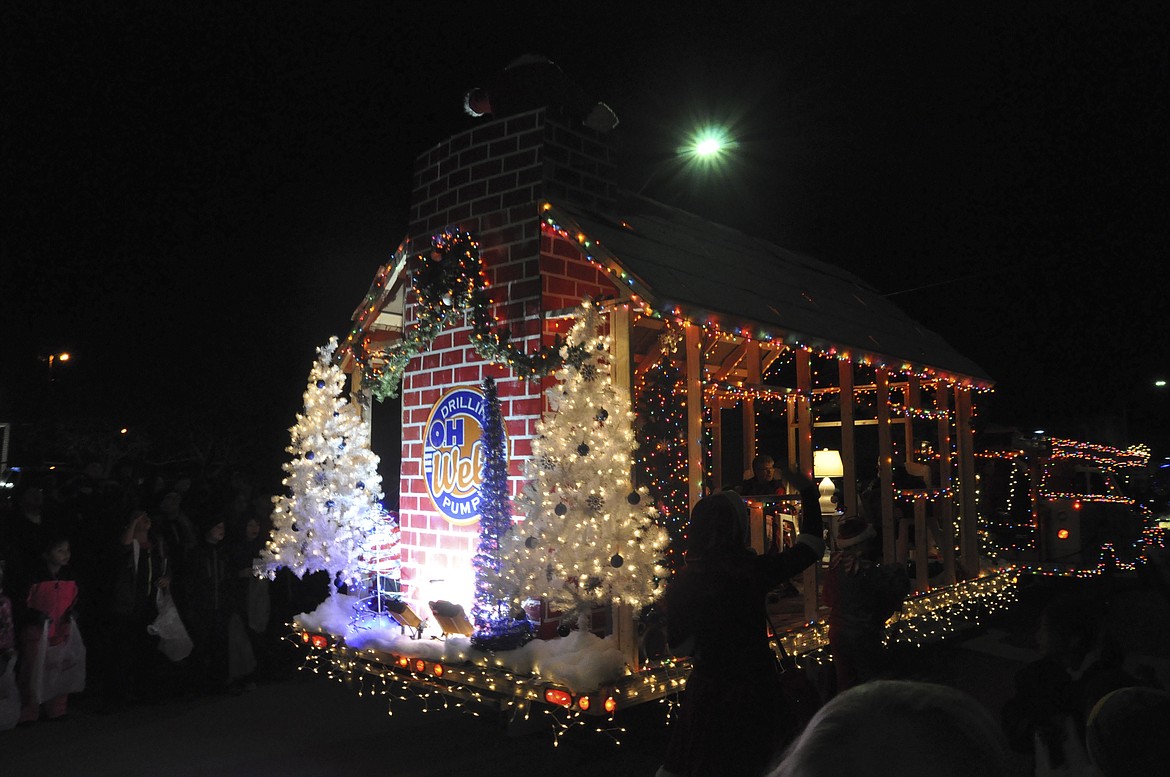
{"points": [[1124, 731], [861, 596]]}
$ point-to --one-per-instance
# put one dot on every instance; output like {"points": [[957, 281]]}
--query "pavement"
{"points": [[308, 724]]}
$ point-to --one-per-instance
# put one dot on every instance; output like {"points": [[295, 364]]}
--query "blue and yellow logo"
{"points": [[453, 455]]}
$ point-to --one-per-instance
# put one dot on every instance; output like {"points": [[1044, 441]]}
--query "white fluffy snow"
{"points": [[582, 661]]}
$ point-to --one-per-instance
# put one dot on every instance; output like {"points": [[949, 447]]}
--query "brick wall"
{"points": [[489, 181]]}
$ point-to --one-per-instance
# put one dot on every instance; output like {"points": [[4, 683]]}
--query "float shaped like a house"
{"points": [[775, 352]]}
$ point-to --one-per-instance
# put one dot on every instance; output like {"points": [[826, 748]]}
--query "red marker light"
{"points": [[558, 697], [420, 665], [319, 641], [1077, 505]]}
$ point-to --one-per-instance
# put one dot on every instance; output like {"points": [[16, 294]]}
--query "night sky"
{"points": [[196, 198]]}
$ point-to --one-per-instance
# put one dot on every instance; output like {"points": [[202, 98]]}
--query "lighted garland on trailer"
{"points": [[470, 681], [448, 284], [441, 686], [594, 253]]}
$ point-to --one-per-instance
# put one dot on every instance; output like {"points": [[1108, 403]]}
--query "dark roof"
{"points": [[707, 268]]}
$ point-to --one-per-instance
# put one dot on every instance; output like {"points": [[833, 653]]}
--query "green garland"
{"points": [[448, 284]]}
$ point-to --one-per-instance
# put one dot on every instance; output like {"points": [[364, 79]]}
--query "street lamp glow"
{"points": [[708, 144], [63, 357]]}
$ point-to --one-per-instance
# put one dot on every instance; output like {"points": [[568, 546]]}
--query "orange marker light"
{"points": [[319, 641], [1062, 534], [583, 703], [404, 662], [437, 670], [559, 697], [610, 704], [420, 665]]}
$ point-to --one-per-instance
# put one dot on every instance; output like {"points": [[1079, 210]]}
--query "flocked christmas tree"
{"points": [[587, 537], [332, 481]]}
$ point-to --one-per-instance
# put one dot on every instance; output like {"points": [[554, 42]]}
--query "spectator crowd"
{"points": [[89, 560]]}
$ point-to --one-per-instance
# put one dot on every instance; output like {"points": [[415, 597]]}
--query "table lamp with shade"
{"points": [[827, 464]]}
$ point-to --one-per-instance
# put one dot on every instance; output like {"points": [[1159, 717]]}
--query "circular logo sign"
{"points": [[453, 455]]}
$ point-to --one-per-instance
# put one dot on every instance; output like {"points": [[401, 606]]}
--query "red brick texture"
{"points": [[490, 181]]}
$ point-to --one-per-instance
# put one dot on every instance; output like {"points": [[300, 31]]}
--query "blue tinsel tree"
{"points": [[495, 628]]}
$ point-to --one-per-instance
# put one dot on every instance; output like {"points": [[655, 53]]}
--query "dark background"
{"points": [[196, 197]]}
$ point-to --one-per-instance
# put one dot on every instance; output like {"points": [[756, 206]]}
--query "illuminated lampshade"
{"points": [[827, 464]]}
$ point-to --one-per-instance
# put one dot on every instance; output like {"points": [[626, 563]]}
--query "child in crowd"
{"points": [[48, 622], [9, 696]]}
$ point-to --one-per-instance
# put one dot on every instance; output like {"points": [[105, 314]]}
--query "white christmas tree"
{"points": [[332, 481], [587, 537]]}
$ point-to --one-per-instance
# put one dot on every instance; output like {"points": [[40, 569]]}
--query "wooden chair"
{"points": [[452, 618]]}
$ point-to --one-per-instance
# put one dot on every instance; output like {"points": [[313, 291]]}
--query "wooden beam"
{"points": [[913, 401], [885, 466], [848, 441], [752, 363], [771, 354], [965, 443], [648, 361], [804, 422], [921, 546], [946, 504], [717, 481], [621, 372], [733, 359], [694, 364]]}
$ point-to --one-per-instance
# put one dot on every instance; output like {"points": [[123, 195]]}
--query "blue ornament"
{"points": [[360, 484], [310, 455], [329, 504], [320, 384]]}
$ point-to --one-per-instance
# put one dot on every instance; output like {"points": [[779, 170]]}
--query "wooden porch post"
{"points": [[946, 500], [965, 439], [804, 423], [621, 373], [694, 357], [885, 461], [848, 442], [751, 362]]}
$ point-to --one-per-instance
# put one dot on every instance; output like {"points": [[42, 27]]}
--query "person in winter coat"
{"points": [[49, 601], [732, 716], [211, 588], [861, 596], [140, 568]]}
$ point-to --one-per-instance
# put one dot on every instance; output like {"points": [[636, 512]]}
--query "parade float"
{"points": [[1060, 507], [574, 366]]}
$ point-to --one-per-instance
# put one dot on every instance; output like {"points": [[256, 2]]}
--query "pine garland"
{"points": [[450, 283]]}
